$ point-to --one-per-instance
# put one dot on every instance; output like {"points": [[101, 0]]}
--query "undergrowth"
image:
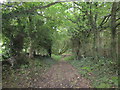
{"points": [[68, 58], [102, 74], [26, 75], [56, 57]]}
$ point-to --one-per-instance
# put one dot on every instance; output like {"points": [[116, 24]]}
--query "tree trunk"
{"points": [[76, 46], [31, 50], [113, 31], [92, 21]]}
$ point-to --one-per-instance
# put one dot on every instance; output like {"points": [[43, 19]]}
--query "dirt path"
{"points": [[62, 75]]}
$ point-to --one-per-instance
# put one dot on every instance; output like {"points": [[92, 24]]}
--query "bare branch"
{"points": [[105, 19], [103, 28], [117, 25], [117, 19]]}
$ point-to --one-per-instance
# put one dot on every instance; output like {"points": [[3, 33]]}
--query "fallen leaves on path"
{"points": [[62, 75]]}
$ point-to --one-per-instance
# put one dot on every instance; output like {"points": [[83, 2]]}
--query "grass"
{"points": [[26, 75], [101, 74], [68, 58], [56, 57]]}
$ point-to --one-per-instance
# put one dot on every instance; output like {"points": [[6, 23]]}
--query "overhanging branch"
{"points": [[117, 25], [19, 13], [105, 19]]}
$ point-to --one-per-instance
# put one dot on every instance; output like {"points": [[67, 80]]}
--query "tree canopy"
{"points": [[35, 25]]}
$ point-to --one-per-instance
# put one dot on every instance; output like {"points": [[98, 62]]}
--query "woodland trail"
{"points": [[62, 75]]}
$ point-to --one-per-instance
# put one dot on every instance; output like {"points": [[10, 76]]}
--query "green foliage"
{"points": [[54, 26], [71, 57], [61, 42], [103, 85], [80, 26], [87, 68], [56, 57], [24, 66], [100, 74]]}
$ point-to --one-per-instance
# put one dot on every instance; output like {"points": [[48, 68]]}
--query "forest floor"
{"points": [[60, 72], [62, 75]]}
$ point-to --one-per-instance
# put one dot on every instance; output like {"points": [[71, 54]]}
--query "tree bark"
{"points": [[21, 13], [93, 25], [113, 30], [31, 50]]}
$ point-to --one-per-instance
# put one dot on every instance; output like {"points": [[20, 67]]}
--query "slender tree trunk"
{"points": [[118, 50], [31, 50], [31, 27], [99, 45], [76, 46], [113, 31], [12, 53], [93, 24]]}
